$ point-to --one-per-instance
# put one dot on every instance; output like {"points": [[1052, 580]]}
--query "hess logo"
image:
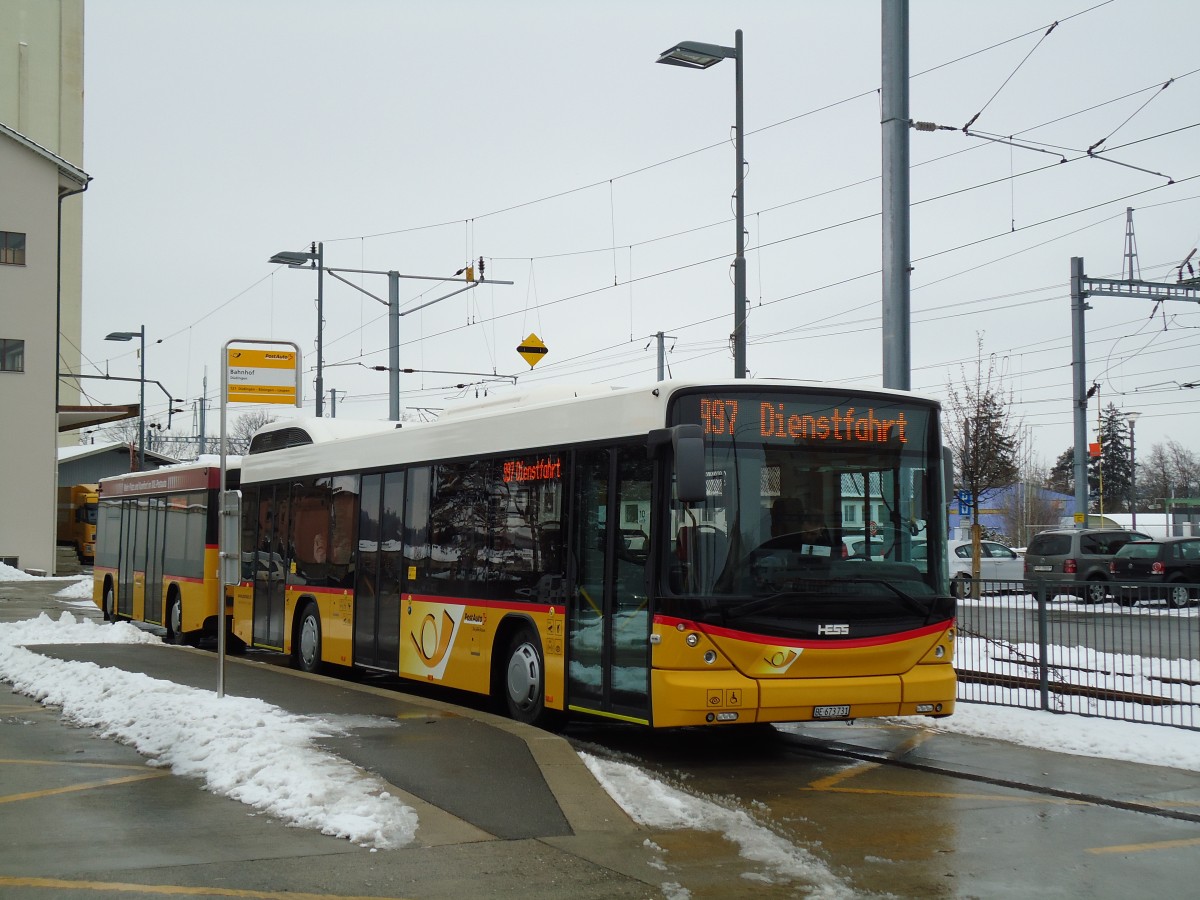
{"points": [[833, 629]]}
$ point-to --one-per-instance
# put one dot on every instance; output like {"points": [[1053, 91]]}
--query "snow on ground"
{"points": [[79, 589], [238, 747], [8, 573], [258, 754], [1157, 745], [656, 805]]}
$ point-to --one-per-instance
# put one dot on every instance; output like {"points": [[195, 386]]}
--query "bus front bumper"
{"points": [[684, 698]]}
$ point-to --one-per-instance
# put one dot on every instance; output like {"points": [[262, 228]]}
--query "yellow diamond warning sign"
{"points": [[532, 349]]}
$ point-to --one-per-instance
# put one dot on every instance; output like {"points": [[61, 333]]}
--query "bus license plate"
{"points": [[831, 712]]}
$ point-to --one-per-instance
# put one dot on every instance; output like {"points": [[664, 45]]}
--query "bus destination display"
{"points": [[802, 420]]}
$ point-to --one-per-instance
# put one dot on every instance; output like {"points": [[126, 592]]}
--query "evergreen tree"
{"points": [[1062, 475], [1109, 474]]}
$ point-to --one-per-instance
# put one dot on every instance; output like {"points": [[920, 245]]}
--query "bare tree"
{"points": [[243, 428], [1169, 470], [982, 432], [983, 438], [1029, 508], [1185, 469]]}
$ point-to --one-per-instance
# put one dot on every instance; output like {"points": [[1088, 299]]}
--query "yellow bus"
{"points": [[156, 549], [681, 554], [77, 506]]}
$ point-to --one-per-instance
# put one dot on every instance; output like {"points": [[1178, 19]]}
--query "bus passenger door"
{"points": [[125, 577], [609, 661], [270, 572], [155, 539], [378, 581]]}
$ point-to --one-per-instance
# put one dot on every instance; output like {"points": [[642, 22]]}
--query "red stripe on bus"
{"points": [[718, 631], [514, 605]]}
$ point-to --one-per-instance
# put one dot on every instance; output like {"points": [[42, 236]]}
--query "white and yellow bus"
{"points": [[677, 554], [156, 549]]}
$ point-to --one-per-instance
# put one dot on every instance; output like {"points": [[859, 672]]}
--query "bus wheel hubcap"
{"points": [[524, 676], [308, 641]]}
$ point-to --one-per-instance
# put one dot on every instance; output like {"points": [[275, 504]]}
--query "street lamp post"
{"points": [[695, 55], [129, 336], [1131, 418], [296, 259]]}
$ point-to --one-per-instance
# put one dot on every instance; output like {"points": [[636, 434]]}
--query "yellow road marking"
{"points": [[172, 890], [1156, 845], [82, 765], [825, 784], [830, 784], [945, 795], [87, 786]]}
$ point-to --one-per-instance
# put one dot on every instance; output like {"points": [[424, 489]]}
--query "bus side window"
{"points": [[416, 528]]}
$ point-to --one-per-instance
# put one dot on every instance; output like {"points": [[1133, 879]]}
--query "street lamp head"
{"points": [[293, 258], [695, 55], [122, 335], [1131, 417]]}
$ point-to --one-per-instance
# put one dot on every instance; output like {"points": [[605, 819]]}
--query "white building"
{"points": [[35, 181], [41, 262]]}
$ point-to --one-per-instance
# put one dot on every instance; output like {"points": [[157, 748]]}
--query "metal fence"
{"points": [[1134, 656]]}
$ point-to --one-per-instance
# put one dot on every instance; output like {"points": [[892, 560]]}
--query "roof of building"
{"points": [[66, 170], [66, 454]]}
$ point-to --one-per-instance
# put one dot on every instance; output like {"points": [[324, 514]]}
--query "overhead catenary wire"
{"points": [[630, 282]]}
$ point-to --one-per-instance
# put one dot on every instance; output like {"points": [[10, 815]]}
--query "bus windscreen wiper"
{"points": [[911, 602]]}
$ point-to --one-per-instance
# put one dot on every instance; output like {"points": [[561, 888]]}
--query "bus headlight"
{"points": [[692, 639], [710, 656]]}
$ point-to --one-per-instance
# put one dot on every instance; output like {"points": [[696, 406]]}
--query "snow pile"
{"points": [[656, 805], [80, 589], [239, 747], [8, 573]]}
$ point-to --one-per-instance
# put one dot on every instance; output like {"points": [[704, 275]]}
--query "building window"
{"points": [[12, 248], [12, 355]]}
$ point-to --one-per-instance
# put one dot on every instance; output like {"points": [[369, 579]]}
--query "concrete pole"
{"points": [[897, 361], [1079, 390], [394, 346], [204, 413], [320, 251], [739, 261], [142, 407]]}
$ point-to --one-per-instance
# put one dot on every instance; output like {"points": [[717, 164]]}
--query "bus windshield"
{"points": [[832, 499]]}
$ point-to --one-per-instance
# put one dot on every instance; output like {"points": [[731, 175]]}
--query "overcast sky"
{"points": [[542, 136]]}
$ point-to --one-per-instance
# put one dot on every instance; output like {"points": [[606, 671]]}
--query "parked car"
{"points": [[1173, 562], [1000, 568], [882, 545], [1074, 561]]}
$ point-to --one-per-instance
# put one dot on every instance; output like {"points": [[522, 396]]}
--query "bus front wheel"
{"points": [[110, 604], [307, 650], [525, 678]]}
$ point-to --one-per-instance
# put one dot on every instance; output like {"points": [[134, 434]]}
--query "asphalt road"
{"points": [[887, 809]]}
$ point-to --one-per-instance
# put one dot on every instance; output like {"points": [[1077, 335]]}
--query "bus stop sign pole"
{"points": [[248, 375]]}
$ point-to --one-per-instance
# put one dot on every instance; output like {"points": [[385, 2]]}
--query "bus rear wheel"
{"points": [[306, 651], [110, 604], [524, 678], [174, 621]]}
